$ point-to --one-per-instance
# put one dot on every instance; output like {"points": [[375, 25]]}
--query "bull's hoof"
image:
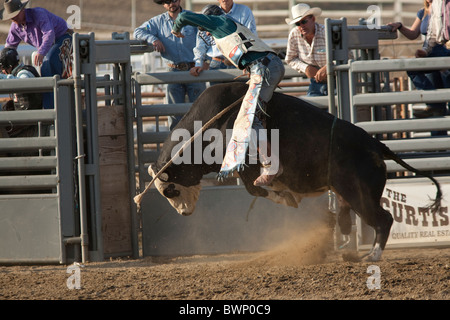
{"points": [[374, 254], [373, 257]]}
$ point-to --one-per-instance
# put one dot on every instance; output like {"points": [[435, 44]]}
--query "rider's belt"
{"points": [[182, 66], [264, 60], [219, 59], [225, 61]]}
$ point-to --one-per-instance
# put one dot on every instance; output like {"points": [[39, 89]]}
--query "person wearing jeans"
{"points": [[432, 79], [45, 31], [306, 51], [207, 56], [247, 52], [176, 52]]}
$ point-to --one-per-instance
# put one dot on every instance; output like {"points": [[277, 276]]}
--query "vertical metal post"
{"points": [[133, 14], [139, 131], [129, 119], [337, 54], [107, 77], [352, 89], [80, 148], [342, 46], [330, 67], [65, 150], [188, 4], [90, 87]]}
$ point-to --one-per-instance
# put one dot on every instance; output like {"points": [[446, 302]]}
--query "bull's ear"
{"points": [[153, 171], [164, 177]]}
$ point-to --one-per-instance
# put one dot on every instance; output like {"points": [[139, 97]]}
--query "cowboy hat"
{"points": [[11, 8], [302, 10]]}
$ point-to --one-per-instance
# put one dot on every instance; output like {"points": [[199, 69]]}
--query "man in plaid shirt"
{"points": [[306, 51]]}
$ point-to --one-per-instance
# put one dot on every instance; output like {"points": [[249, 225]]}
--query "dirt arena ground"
{"points": [[297, 270]]}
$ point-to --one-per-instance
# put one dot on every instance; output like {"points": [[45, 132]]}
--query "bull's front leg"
{"points": [[283, 197]]}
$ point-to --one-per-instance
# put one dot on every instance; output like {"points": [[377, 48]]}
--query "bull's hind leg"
{"points": [[344, 219], [381, 222], [367, 206]]}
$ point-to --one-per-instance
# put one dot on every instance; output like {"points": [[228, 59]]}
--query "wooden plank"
{"points": [[116, 225], [111, 120], [114, 184], [112, 180], [115, 202], [113, 150]]}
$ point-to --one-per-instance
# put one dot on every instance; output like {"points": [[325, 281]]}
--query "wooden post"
{"points": [[115, 201]]}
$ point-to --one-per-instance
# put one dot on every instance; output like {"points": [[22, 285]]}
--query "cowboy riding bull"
{"points": [[319, 152]]}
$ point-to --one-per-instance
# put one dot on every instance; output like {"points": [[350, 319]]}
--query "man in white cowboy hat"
{"points": [[306, 51], [48, 33]]}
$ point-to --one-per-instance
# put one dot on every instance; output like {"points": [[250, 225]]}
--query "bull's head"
{"points": [[182, 198]]}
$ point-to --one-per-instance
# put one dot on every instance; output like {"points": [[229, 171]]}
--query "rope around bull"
{"points": [[138, 198]]}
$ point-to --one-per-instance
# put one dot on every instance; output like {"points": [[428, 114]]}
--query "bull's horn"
{"points": [[137, 199], [151, 170]]}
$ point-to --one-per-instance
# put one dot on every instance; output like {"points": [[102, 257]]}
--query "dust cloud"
{"points": [[300, 248]]}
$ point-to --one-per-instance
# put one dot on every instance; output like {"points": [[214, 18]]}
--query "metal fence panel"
{"points": [[29, 181], [30, 229]]}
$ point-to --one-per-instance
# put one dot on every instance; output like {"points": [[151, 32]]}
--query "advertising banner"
{"points": [[414, 224]]}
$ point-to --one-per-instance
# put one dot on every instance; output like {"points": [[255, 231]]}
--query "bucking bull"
{"points": [[318, 152]]}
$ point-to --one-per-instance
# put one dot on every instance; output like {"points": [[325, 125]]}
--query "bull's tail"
{"points": [[436, 204]]}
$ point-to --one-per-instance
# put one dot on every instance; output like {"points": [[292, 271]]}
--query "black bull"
{"points": [[318, 153]]}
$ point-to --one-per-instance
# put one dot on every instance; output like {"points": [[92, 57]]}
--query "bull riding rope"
{"points": [[138, 198]]}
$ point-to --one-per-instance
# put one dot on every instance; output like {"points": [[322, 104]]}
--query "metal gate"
{"points": [[37, 173], [58, 196]]}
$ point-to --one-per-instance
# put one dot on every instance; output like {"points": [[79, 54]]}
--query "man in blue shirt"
{"points": [[177, 53], [246, 51]]}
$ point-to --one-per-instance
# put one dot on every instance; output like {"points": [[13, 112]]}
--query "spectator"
{"points": [[239, 13], [438, 27], [425, 80], [207, 56], [306, 51], [245, 51], [176, 52], [12, 69], [48, 33]]}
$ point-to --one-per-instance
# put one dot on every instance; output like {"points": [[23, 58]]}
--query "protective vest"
{"points": [[27, 101], [235, 45]]}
